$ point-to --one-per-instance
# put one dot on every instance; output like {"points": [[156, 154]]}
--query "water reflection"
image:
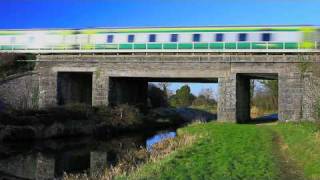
{"points": [[265, 119], [49, 159], [159, 137]]}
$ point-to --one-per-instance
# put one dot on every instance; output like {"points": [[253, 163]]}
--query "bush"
{"points": [[119, 116], [9, 64], [157, 97], [182, 98]]}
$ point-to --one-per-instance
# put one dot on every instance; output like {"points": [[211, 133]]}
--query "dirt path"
{"points": [[288, 168]]}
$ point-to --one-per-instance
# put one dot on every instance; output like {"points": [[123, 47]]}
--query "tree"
{"points": [[165, 88], [157, 97], [182, 98], [207, 93], [272, 89]]}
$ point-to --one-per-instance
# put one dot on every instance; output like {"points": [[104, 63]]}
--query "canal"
{"points": [[51, 158]]}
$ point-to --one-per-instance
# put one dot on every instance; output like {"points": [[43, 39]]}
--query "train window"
{"points": [[242, 37], [174, 38], [219, 37], [266, 37], [110, 39], [196, 37], [131, 38], [152, 38]]}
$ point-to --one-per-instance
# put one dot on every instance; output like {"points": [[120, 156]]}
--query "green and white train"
{"points": [[168, 39]]}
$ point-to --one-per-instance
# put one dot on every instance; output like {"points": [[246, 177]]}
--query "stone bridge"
{"points": [[115, 79]]}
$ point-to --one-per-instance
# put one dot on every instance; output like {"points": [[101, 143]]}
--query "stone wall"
{"points": [[20, 91], [225, 68]]}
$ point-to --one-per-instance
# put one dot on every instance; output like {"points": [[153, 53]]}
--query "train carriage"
{"points": [[179, 39]]}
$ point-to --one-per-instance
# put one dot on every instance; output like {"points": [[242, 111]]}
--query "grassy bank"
{"points": [[224, 151], [230, 151], [301, 141]]}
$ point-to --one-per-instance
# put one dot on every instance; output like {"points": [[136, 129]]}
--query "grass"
{"points": [[302, 143], [206, 107], [224, 151], [231, 151], [132, 159]]}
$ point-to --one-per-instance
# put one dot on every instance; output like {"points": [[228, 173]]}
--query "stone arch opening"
{"points": [[74, 87], [135, 90], [245, 92]]}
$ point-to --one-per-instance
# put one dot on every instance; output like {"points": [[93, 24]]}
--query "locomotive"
{"points": [[163, 39]]}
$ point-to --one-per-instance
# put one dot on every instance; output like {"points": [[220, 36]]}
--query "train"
{"points": [[163, 39]]}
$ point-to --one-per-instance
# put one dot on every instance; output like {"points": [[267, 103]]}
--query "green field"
{"points": [[231, 151]]}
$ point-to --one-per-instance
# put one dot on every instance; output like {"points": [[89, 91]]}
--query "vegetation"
{"points": [[223, 151], [229, 151], [182, 98], [264, 100], [134, 158], [302, 144], [121, 116], [9, 64], [157, 97]]}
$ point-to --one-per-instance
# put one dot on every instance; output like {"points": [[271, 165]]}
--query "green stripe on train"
{"points": [[217, 45], [201, 46], [154, 46], [106, 46], [139, 46], [170, 46], [126, 46]]}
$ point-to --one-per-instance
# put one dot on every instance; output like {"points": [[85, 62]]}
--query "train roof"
{"points": [[177, 29]]}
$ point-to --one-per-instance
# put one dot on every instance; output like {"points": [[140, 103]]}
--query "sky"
{"points": [[132, 13], [20, 14]]}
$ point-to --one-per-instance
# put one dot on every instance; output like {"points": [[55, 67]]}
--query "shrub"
{"points": [[121, 116], [133, 159], [9, 64]]}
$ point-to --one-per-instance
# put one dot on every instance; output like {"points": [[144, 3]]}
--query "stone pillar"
{"points": [[45, 167], [47, 87], [290, 97], [227, 98], [98, 162], [100, 88], [310, 92], [243, 99]]}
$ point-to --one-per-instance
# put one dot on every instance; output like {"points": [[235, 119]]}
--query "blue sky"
{"points": [[17, 14], [123, 13]]}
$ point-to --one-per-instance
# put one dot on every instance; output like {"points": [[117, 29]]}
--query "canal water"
{"points": [[29, 160]]}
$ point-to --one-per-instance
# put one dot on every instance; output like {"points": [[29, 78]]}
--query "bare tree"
{"points": [[208, 93], [165, 87]]}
